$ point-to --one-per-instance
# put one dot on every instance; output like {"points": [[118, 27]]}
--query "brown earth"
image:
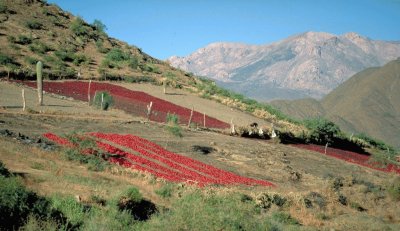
{"points": [[296, 172]]}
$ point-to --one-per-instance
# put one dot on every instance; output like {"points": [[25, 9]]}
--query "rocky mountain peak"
{"points": [[310, 64]]}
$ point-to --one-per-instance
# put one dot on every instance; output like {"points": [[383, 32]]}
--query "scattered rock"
{"points": [[295, 176]]}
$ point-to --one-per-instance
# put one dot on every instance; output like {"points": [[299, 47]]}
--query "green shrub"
{"points": [[172, 119], [107, 100], [33, 24], [99, 26], [165, 191], [117, 55], [132, 194], [196, 211], [79, 28], [173, 126], [139, 79], [16, 203], [5, 59], [39, 47], [322, 131], [75, 212], [284, 218], [80, 59], [64, 55], [23, 40], [100, 47], [393, 189], [3, 8]]}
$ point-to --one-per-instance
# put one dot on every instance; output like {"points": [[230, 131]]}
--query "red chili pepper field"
{"points": [[143, 155], [351, 157], [134, 102]]}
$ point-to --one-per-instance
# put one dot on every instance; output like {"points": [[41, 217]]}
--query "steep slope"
{"points": [[309, 64], [69, 47], [368, 102]]}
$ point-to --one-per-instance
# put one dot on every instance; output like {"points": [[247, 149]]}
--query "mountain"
{"points": [[69, 47], [305, 65], [368, 102]]}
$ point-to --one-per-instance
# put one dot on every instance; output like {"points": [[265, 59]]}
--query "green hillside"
{"points": [[69, 47], [369, 102]]}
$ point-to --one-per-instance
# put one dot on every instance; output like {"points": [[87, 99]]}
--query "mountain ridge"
{"points": [[310, 64]]}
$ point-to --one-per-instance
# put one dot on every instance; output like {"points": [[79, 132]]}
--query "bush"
{"points": [[165, 191], [4, 171], [33, 24], [79, 28], [23, 40], [132, 194], [16, 203], [80, 59], [5, 59], [107, 100], [393, 189], [284, 218], [99, 26], [173, 126], [117, 55], [139, 79], [64, 55], [39, 47], [322, 131], [3, 8], [196, 211], [75, 212]]}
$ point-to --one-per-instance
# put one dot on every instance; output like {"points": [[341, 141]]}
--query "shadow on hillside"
{"points": [[175, 94]]}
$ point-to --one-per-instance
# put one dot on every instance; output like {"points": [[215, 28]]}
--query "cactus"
{"points": [[39, 76]]}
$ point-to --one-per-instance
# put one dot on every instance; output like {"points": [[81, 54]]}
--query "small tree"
{"points": [[322, 131], [100, 27]]}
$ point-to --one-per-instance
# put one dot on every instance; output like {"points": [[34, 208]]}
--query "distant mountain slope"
{"points": [[309, 64], [368, 102]]}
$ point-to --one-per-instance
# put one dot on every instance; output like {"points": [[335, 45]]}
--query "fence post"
{"points": [[191, 115], [233, 131], [149, 110], [90, 82], [204, 119], [23, 100], [102, 99]]}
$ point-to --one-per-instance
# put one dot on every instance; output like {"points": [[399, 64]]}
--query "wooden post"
{"points": [[326, 147], [191, 115], [165, 86], [23, 100], [233, 131], [204, 119], [102, 99], [149, 110], [88, 95]]}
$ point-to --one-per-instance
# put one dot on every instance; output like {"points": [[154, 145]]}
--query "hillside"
{"points": [[69, 47], [311, 191], [305, 65], [369, 102]]}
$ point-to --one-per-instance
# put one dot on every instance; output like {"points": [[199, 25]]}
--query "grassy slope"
{"points": [[368, 102], [55, 33]]}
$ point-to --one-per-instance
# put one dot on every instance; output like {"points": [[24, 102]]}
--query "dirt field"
{"points": [[296, 172]]}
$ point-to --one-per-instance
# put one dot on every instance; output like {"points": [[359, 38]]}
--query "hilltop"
{"points": [[310, 64], [69, 47], [368, 103]]}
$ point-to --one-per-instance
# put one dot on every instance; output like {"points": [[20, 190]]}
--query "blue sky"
{"points": [[163, 28]]}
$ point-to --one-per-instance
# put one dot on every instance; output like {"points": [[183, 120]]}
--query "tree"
{"points": [[100, 27], [322, 131]]}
